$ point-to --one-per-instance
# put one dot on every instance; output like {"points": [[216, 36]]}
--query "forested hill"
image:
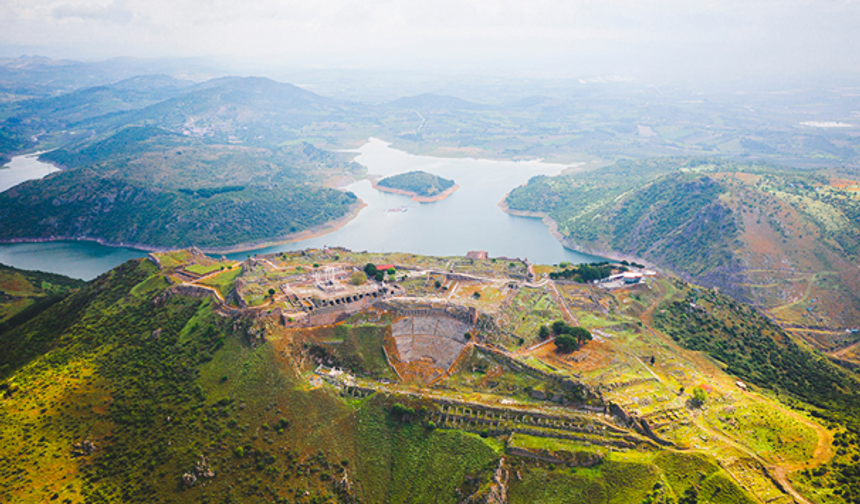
{"points": [[157, 162], [419, 183], [152, 188], [786, 240]]}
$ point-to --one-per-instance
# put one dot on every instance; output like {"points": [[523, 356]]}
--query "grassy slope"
{"points": [[153, 403], [760, 352], [25, 293], [782, 239]]}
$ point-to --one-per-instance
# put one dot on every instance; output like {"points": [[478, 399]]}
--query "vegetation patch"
{"points": [[418, 183]]}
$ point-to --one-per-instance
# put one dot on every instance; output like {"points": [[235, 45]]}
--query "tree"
{"points": [[566, 343], [271, 292], [392, 271], [559, 326], [699, 397], [543, 332], [437, 284], [357, 278], [370, 270], [580, 333], [379, 276]]}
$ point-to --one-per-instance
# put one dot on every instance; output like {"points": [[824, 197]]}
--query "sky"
{"points": [[660, 38]]}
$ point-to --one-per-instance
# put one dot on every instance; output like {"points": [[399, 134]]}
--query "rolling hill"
{"points": [[786, 240], [152, 188]]}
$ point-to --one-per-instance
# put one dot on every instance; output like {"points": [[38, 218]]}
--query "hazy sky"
{"points": [[569, 37]]}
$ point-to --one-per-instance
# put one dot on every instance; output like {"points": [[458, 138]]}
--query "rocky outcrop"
{"points": [[152, 257], [201, 470], [84, 448], [497, 492]]}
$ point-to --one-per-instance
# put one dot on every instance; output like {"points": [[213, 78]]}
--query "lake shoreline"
{"points": [[313, 232], [565, 241], [415, 197], [470, 221]]}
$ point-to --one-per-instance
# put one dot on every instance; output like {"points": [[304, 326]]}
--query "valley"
{"points": [[277, 308]]}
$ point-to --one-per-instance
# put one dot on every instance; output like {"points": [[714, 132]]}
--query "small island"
{"points": [[422, 186]]}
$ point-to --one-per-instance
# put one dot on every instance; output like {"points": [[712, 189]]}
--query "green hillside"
{"points": [[153, 188], [136, 388], [785, 240], [23, 294]]}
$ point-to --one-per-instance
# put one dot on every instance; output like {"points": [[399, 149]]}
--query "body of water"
{"points": [[23, 168], [469, 219]]}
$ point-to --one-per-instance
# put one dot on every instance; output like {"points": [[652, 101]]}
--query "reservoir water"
{"points": [[21, 168], [469, 219]]}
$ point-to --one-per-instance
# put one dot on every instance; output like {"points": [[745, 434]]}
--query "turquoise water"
{"points": [[469, 219]]}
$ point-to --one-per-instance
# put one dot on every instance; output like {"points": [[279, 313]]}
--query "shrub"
{"points": [[400, 411], [239, 451], [543, 332], [580, 333], [357, 278], [699, 397]]}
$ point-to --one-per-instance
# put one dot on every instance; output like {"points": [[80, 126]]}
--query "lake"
{"points": [[469, 219], [22, 168]]}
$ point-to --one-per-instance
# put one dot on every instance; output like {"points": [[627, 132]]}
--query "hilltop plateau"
{"points": [[337, 376]]}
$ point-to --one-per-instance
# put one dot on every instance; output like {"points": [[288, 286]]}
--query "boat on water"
{"points": [[397, 209]]}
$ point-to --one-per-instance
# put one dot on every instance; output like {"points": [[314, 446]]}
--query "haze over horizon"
{"points": [[660, 41]]}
